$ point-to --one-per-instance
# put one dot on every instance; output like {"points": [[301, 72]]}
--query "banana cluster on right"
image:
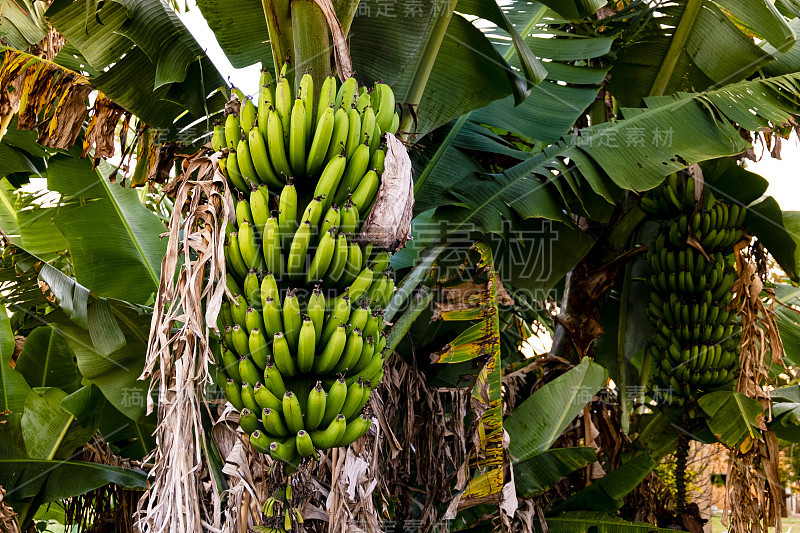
{"points": [[304, 335], [697, 335]]}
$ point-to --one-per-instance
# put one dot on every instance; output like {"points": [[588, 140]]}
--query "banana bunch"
{"points": [[304, 337], [696, 339]]}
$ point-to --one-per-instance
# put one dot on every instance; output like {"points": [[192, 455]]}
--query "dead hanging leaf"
{"points": [[13, 62], [160, 159], [38, 83], [100, 131], [344, 66], [389, 223], [65, 125]]}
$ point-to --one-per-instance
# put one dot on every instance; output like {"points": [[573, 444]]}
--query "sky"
{"points": [[782, 174]]}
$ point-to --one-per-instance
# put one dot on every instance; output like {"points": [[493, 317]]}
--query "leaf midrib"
{"points": [[129, 230]]}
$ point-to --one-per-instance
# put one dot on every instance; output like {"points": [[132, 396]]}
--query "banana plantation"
{"points": [[434, 266]]}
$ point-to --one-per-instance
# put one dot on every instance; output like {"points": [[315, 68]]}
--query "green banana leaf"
{"points": [[680, 129], [709, 50], [47, 361], [765, 220], [788, 320], [47, 429], [537, 422], [111, 235], [594, 522], [56, 480], [24, 224], [19, 27], [13, 387], [539, 473], [240, 31], [732, 417], [607, 494], [164, 71], [786, 413]]}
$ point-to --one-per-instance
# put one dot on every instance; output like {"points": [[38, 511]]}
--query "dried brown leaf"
{"points": [[389, 223], [101, 128], [341, 53]]}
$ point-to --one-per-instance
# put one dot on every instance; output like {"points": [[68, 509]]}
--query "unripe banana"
{"points": [[218, 137], [259, 207], [339, 260], [274, 381], [327, 93], [395, 124], [361, 284], [307, 96], [292, 321], [232, 132], [346, 96], [352, 351], [287, 209], [265, 398], [364, 195], [297, 253], [247, 369], [306, 346], [313, 212], [277, 145], [239, 336], [291, 412], [260, 156], [273, 254], [266, 101], [375, 140], [234, 173], [245, 162], [320, 143], [322, 257], [315, 409], [305, 447], [247, 115], [338, 142], [249, 398], [383, 102], [340, 312], [376, 162], [356, 167], [283, 106], [330, 436], [297, 139], [284, 451], [355, 430], [353, 132], [272, 421], [282, 356], [316, 312], [354, 264], [259, 350], [330, 220], [243, 212], [249, 246], [251, 287], [332, 351], [329, 180], [348, 219], [233, 393], [231, 364], [249, 421], [273, 320], [367, 125], [355, 394], [363, 100]]}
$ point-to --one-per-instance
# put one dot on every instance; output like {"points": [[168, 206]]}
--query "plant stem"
{"points": [[423, 72], [679, 39], [681, 455]]}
